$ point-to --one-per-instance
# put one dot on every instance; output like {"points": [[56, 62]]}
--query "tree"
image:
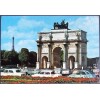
{"points": [[11, 57], [6, 55], [24, 56], [14, 57], [3, 62], [32, 58], [2, 53], [6, 60]]}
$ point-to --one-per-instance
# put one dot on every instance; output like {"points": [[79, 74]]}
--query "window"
{"points": [[47, 73], [10, 71], [1, 70], [53, 72], [18, 70], [77, 73], [6, 71], [83, 73], [41, 72], [87, 73]]}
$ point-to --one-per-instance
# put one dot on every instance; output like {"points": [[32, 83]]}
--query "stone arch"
{"points": [[58, 45], [71, 62], [44, 61], [57, 57]]}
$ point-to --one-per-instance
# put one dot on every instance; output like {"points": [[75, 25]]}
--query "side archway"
{"points": [[72, 62], [44, 62]]}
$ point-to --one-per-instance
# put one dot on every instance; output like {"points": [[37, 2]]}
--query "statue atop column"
{"points": [[63, 25]]}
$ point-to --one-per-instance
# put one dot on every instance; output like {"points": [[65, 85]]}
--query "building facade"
{"points": [[62, 48]]}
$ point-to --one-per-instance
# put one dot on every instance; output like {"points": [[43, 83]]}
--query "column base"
{"points": [[37, 65], [64, 65], [76, 64], [48, 64]]}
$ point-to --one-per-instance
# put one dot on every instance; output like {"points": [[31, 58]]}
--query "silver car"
{"points": [[82, 74]]}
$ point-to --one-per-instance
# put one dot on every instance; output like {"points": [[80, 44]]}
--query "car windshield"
{"points": [[41, 73], [53, 72], [87, 72], [83, 73], [91, 72], [10, 71], [77, 73], [47, 73], [6, 71], [1, 70]]}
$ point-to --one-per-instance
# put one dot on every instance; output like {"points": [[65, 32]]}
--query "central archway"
{"points": [[57, 57]]}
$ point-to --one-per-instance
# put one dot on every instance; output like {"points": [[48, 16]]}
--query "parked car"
{"points": [[46, 73], [1, 71], [96, 72], [24, 70], [82, 74], [57, 70], [12, 72], [33, 71], [92, 73], [65, 72]]}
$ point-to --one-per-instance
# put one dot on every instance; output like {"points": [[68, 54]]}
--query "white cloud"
{"points": [[23, 28], [29, 23], [18, 35], [11, 30], [25, 42], [24, 34], [6, 46], [90, 24], [29, 44]]}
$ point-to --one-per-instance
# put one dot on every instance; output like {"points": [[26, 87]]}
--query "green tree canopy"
{"points": [[11, 57], [2, 53], [24, 56], [32, 57]]}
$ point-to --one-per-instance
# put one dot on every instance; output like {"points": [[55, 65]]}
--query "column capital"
{"points": [[65, 44], [49, 44], [38, 44], [77, 44]]}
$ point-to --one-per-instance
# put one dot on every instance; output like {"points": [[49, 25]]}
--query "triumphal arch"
{"points": [[62, 48]]}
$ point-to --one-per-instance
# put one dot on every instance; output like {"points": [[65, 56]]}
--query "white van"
{"points": [[46, 73], [12, 72]]}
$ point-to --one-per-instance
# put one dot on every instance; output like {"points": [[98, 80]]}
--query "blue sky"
{"points": [[25, 29]]}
